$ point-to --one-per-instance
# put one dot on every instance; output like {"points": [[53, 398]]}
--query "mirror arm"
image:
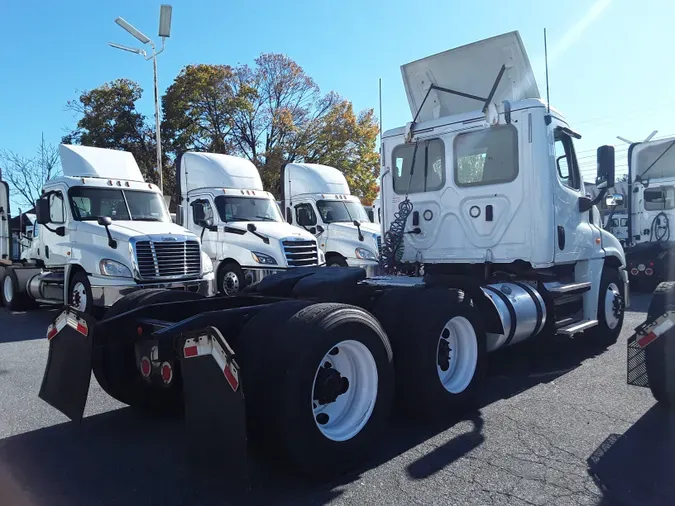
{"points": [[111, 242]]}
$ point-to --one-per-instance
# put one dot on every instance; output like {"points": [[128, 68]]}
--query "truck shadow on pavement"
{"points": [[18, 326], [124, 457], [638, 467]]}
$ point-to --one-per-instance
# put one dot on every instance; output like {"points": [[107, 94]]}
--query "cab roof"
{"points": [[90, 162]]}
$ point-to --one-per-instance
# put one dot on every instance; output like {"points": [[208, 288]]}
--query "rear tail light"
{"points": [[649, 271], [634, 271], [146, 367]]}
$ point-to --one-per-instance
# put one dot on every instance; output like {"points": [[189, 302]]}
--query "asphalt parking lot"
{"points": [[557, 426]]}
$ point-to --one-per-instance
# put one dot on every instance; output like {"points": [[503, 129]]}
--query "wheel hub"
{"points": [[444, 354], [330, 384], [617, 306]]}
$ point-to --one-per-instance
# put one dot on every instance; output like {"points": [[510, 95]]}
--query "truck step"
{"points": [[575, 328], [559, 290]]}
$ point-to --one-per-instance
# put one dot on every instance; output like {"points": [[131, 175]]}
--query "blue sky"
{"points": [[610, 70]]}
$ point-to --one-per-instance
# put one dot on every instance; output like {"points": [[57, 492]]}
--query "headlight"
{"points": [[207, 264], [111, 268], [261, 258], [365, 254]]}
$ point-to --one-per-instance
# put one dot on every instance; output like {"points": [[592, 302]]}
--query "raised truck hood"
{"points": [[470, 69]]}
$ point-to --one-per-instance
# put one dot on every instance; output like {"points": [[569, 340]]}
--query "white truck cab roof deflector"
{"points": [[213, 170], [308, 178], [470, 69], [85, 161]]}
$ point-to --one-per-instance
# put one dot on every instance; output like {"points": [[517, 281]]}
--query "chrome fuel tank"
{"points": [[521, 310]]}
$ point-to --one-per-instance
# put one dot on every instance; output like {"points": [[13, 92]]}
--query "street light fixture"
{"points": [[164, 32]]}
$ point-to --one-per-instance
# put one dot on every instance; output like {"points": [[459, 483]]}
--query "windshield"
{"points": [[247, 209], [88, 204], [341, 211], [656, 161]]}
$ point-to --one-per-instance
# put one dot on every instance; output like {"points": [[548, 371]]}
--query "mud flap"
{"points": [[215, 413], [65, 384]]}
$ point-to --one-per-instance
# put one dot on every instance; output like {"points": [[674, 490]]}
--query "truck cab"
{"points": [[242, 229], [104, 232], [487, 179], [317, 198], [650, 201]]}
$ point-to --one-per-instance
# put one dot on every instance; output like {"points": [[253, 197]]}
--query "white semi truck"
{"points": [[242, 231], [317, 198], [649, 195], [103, 233], [490, 241]]}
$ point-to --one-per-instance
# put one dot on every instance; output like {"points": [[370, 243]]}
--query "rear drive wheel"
{"points": [[12, 297], [439, 347], [2, 279], [660, 354], [115, 367], [319, 383], [230, 279], [611, 306]]}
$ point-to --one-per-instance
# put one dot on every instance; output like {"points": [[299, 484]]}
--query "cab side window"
{"points": [[304, 215], [201, 211], [566, 161], [57, 211]]}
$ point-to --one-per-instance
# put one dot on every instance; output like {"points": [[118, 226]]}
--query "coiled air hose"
{"points": [[389, 253]]}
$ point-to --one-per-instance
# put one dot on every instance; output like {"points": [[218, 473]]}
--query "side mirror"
{"points": [[614, 200], [42, 211], [320, 229], [104, 221], [605, 175], [312, 230], [251, 227]]}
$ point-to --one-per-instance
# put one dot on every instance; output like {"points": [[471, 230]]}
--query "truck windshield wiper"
{"points": [[265, 218]]}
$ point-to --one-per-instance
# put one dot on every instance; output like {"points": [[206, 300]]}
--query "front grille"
{"points": [[301, 253], [379, 244], [168, 259]]}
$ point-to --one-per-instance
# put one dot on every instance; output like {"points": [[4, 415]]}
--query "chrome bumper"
{"points": [[106, 295]]}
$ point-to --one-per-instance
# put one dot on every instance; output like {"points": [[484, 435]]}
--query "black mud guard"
{"points": [[215, 412], [65, 384]]}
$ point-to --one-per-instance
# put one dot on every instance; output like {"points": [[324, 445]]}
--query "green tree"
{"points": [[199, 107], [272, 113], [108, 118]]}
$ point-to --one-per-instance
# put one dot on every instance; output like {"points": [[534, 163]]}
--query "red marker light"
{"points": [[146, 367]]}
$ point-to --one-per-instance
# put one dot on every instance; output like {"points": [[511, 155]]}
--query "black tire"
{"points": [[280, 350], [115, 367], [415, 320], [2, 278], [335, 260], [81, 278], [19, 300], [231, 279], [603, 333], [660, 354]]}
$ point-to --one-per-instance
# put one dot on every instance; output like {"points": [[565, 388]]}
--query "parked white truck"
{"points": [[317, 198], [242, 231], [649, 225], [103, 233], [313, 377]]}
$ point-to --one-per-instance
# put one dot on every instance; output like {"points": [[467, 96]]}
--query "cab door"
{"points": [[55, 237], [574, 235], [201, 210]]}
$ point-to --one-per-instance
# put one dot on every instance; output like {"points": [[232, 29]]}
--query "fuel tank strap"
{"points": [[537, 305], [512, 313]]}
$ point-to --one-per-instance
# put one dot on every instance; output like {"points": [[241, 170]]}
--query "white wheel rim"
{"points": [[8, 289], [457, 355], [230, 283], [347, 415], [611, 295], [79, 297]]}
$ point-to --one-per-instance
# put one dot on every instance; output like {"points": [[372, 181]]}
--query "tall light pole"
{"points": [[164, 32]]}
